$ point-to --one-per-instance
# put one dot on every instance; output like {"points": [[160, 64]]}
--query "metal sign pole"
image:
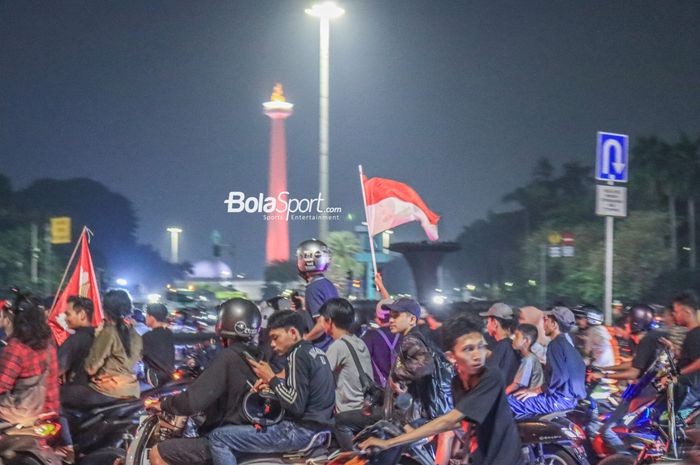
{"points": [[612, 165], [607, 304]]}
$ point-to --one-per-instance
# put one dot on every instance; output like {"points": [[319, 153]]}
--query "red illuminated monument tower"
{"points": [[278, 109]]}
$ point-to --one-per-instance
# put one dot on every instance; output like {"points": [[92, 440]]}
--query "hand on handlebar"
{"points": [[374, 443]]}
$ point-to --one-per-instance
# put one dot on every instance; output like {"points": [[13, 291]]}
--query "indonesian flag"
{"points": [[83, 283], [391, 203]]}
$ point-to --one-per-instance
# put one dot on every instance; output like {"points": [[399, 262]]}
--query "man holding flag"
{"points": [[83, 283]]}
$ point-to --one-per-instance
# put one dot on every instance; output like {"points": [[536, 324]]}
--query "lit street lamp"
{"points": [[174, 243], [325, 12]]}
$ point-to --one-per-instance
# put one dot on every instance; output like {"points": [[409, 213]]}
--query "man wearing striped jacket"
{"points": [[306, 392]]}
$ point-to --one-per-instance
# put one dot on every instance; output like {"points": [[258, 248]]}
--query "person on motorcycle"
{"points": [[306, 392], [414, 369], [110, 364], [565, 372], [219, 391], [599, 349], [530, 374], [503, 357], [313, 259], [158, 346], [74, 350], [535, 317], [28, 364], [685, 307], [480, 399], [640, 319], [351, 413]]}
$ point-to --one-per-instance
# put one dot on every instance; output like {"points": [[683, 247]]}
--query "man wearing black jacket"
{"points": [[306, 392], [219, 390]]}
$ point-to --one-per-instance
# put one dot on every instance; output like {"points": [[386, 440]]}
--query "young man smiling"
{"points": [[479, 397]]}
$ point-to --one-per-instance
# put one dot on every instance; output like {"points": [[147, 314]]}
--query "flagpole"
{"points": [[75, 250], [369, 233]]}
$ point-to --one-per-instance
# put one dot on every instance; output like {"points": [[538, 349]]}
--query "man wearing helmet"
{"points": [[219, 391], [597, 350], [313, 259], [306, 391], [640, 319]]}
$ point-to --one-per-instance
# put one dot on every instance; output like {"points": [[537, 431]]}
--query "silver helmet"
{"points": [[313, 256]]}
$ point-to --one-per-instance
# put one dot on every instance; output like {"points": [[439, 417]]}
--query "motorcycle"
{"points": [[27, 445], [103, 434], [552, 439], [149, 434], [642, 429]]}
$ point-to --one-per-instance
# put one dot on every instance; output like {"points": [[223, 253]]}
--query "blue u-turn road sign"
{"points": [[612, 157]]}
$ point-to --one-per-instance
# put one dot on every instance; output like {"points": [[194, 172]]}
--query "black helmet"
{"points": [[313, 256], [262, 408], [641, 316], [238, 318], [591, 313]]}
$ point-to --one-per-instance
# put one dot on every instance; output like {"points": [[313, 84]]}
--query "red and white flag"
{"points": [[391, 203], [82, 283]]}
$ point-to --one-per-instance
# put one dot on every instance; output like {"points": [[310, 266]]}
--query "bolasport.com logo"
{"points": [[282, 207]]}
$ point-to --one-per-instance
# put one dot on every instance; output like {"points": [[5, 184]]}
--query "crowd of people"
{"points": [[480, 372]]}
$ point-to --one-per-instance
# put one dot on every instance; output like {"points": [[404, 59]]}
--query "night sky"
{"points": [[161, 100]]}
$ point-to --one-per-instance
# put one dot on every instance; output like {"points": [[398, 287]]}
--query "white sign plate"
{"points": [[611, 201]]}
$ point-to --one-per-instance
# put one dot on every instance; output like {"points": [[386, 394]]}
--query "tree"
{"points": [[344, 246], [661, 171], [640, 257], [15, 263], [688, 152]]}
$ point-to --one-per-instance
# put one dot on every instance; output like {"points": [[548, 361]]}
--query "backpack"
{"points": [[438, 395]]}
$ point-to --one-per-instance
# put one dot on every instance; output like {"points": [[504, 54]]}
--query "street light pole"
{"points": [[324, 11], [174, 243]]}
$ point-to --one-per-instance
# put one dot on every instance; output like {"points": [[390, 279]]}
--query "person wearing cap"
{"points": [[158, 346], [414, 362], [414, 367], [565, 373], [379, 339], [503, 357], [139, 321]]}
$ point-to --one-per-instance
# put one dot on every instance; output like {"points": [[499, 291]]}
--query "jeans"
{"points": [[541, 404], [347, 424], [610, 437], [230, 441]]}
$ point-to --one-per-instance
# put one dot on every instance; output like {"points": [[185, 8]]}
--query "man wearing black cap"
{"points": [[415, 364], [565, 372], [503, 357], [158, 346]]}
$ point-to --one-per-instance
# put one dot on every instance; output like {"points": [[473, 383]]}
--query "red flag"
{"points": [[83, 283], [391, 203]]}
